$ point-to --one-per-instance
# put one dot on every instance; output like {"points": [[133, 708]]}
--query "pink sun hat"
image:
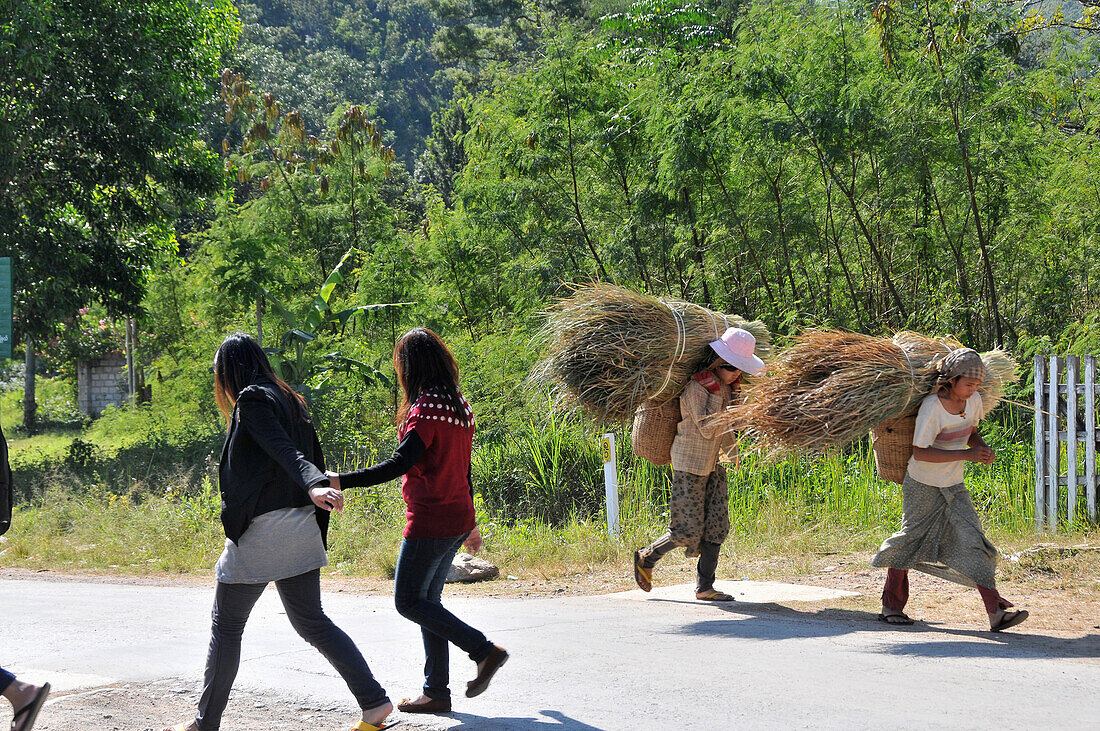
{"points": [[736, 347]]}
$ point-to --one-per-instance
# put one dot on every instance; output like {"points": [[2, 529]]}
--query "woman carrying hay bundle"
{"points": [[699, 500], [940, 532]]}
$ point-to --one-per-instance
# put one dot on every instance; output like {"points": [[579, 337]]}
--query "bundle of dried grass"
{"points": [[607, 349], [831, 388]]}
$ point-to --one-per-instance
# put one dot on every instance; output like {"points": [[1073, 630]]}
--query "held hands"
{"points": [[333, 479], [473, 541], [707, 380], [327, 498], [981, 455]]}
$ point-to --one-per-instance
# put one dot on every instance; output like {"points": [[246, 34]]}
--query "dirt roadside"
{"points": [[1058, 584]]}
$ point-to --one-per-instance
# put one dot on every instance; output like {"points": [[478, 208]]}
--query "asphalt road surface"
{"points": [[619, 661]]}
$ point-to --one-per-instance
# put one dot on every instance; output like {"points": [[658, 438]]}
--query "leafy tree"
{"points": [[295, 361], [317, 57], [97, 142]]}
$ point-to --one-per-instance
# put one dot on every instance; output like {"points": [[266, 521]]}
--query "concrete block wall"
{"points": [[100, 383]]}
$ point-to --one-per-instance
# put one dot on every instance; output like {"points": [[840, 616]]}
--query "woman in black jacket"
{"points": [[275, 505]]}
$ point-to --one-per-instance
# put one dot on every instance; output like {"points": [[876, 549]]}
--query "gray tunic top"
{"points": [[276, 545]]}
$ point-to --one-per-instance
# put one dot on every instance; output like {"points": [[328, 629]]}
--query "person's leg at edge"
{"points": [[18, 693], [6, 679], [418, 561], [301, 597], [232, 605]]}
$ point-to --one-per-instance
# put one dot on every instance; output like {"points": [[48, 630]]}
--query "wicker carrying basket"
{"points": [[654, 429], [892, 441]]}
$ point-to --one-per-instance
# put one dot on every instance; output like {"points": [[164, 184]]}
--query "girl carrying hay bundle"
{"points": [[940, 532], [699, 500]]}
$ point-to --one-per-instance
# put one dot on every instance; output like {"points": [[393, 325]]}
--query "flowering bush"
{"points": [[89, 335]]}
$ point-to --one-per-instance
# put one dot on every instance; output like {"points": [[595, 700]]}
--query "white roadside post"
{"points": [[611, 483]]}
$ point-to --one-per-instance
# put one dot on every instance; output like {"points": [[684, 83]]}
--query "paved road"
{"points": [[622, 661]]}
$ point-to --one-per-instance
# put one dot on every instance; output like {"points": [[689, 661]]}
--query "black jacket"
{"points": [[270, 460], [6, 491]]}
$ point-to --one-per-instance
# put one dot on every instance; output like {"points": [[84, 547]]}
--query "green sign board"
{"points": [[5, 307]]}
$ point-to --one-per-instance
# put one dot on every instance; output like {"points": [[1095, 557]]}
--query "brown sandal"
{"points": [[432, 705], [488, 667], [895, 618], [1009, 619]]}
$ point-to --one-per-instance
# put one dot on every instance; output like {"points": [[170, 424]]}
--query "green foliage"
{"points": [[97, 140], [319, 56], [767, 160], [865, 167], [305, 371]]}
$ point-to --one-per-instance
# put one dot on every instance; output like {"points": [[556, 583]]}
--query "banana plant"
{"points": [[307, 373]]}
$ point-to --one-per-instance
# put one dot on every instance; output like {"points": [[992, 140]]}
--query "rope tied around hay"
{"points": [[681, 338], [681, 345]]}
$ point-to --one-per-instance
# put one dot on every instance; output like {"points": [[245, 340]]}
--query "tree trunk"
{"points": [[30, 406], [260, 320], [131, 381]]}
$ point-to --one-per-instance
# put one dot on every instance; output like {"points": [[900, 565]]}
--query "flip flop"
{"points": [[26, 716], [1010, 619], [898, 618], [643, 576], [364, 726], [713, 595]]}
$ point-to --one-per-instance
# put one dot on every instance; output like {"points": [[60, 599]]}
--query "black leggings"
{"points": [[301, 597]]}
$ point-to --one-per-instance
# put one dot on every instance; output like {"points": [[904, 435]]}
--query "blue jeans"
{"points": [[6, 679], [422, 565], [301, 597]]}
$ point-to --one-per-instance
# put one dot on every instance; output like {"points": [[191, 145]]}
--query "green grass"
{"points": [[140, 499]]}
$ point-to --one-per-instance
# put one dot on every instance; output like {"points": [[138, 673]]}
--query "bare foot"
{"points": [[375, 716], [20, 693], [26, 700]]}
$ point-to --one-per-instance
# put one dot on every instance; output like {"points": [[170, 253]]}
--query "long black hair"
{"points": [[423, 361], [240, 362]]}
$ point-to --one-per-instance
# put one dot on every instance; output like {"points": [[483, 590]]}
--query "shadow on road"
{"points": [[759, 621], [999, 644], [546, 721]]}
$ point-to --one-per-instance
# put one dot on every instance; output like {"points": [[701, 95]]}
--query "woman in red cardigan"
{"points": [[435, 429]]}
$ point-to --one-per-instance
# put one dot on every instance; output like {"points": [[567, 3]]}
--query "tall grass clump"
{"points": [[546, 471], [175, 531]]}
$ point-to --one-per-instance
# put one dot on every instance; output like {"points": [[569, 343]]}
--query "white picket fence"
{"points": [[1060, 386]]}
